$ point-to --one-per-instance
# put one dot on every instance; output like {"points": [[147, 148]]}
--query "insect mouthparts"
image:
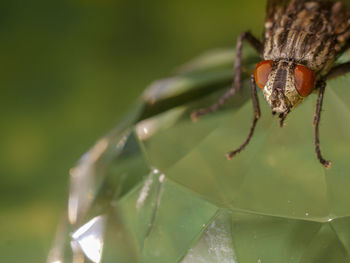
{"points": [[302, 40]]}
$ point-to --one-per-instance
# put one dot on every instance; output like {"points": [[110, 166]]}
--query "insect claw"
{"points": [[283, 78], [230, 155], [195, 116], [327, 164], [198, 113]]}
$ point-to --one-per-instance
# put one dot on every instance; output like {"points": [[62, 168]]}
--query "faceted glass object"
{"points": [[158, 188]]}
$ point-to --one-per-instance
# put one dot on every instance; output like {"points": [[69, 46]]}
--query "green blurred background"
{"points": [[69, 71]]}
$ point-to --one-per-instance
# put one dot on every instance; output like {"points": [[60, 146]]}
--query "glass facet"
{"points": [[159, 188]]}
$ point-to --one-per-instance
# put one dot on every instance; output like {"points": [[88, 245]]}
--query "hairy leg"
{"points": [[237, 74], [256, 109], [339, 70], [317, 118]]}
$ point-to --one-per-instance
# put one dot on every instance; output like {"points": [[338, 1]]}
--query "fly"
{"points": [[301, 42]]}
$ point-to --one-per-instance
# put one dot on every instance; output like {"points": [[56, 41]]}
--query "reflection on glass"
{"points": [[89, 238], [272, 203], [82, 181]]}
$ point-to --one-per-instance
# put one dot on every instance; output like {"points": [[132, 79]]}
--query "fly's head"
{"points": [[284, 83]]}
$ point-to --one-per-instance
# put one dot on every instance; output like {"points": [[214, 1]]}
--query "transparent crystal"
{"points": [[158, 188], [89, 238]]}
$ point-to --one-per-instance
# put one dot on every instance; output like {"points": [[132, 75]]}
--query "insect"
{"points": [[301, 42]]}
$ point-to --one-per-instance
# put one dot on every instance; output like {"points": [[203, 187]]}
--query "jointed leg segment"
{"points": [[316, 123], [236, 85], [339, 70], [256, 108]]}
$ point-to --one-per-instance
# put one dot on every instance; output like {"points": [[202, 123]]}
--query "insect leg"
{"points": [[256, 108], [339, 70], [236, 84], [316, 123]]}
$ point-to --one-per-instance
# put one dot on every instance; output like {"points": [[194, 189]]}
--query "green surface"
{"points": [[182, 201], [70, 70]]}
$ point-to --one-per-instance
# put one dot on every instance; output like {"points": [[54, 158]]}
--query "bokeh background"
{"points": [[69, 71]]}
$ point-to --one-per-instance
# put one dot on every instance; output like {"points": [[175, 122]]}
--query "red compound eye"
{"points": [[304, 80], [262, 72]]}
